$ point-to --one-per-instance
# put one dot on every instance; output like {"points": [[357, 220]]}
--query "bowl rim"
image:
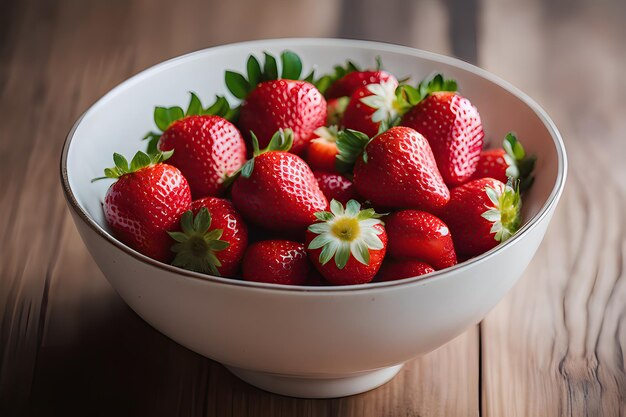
{"points": [[551, 201]]}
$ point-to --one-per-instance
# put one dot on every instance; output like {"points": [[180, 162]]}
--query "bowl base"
{"points": [[317, 387]]}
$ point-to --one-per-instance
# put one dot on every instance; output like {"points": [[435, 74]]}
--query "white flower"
{"points": [[342, 233], [383, 99], [505, 212]]}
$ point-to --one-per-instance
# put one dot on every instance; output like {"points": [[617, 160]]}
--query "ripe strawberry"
{"points": [[335, 186], [481, 214], [419, 235], [217, 227], [355, 238], [335, 108], [208, 147], [508, 161], [277, 262], [322, 151], [145, 202], [395, 169], [393, 269], [273, 102], [452, 126], [370, 106], [276, 189], [349, 83]]}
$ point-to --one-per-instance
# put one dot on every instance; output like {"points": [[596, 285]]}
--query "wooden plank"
{"points": [[67, 341], [555, 345]]}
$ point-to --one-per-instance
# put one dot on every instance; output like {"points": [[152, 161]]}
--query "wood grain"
{"points": [[68, 344], [554, 346]]}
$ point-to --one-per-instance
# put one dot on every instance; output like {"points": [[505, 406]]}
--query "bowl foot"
{"points": [[317, 387]]}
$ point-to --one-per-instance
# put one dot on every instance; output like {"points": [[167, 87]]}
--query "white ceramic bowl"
{"points": [[305, 341]]}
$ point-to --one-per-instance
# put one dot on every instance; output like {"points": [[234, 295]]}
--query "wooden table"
{"points": [[70, 346]]}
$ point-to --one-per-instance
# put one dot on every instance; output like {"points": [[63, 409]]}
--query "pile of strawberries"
{"points": [[343, 179]]}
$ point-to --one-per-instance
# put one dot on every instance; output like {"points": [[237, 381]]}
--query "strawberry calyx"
{"points": [[291, 69], [326, 134], [196, 245], [281, 141], [336, 110], [384, 101], [140, 161], [520, 166], [351, 144], [165, 116], [408, 96], [342, 233], [505, 210]]}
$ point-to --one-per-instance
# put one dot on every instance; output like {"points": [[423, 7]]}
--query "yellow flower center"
{"points": [[346, 229]]}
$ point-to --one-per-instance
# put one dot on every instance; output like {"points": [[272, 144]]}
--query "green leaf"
{"points": [[327, 253], [237, 84], [165, 116], [291, 65], [342, 256], [282, 140], [323, 83], [186, 222], [254, 71], [379, 63], [178, 236], [255, 144], [218, 245], [110, 173], [247, 168], [351, 145], [153, 141], [120, 162], [140, 160], [202, 221], [310, 78], [270, 69], [195, 106], [323, 215]]}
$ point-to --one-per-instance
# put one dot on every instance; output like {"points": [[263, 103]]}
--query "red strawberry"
{"points": [[349, 83], [355, 238], [370, 105], [208, 149], [322, 150], [276, 189], [335, 186], [277, 262], [213, 242], [481, 214], [396, 170], [273, 101], [509, 161], [283, 104], [453, 128], [335, 108], [419, 235], [393, 269], [146, 202]]}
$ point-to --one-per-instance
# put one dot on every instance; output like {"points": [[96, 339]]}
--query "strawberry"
{"points": [[208, 147], [335, 108], [322, 150], [508, 161], [276, 189], [355, 238], [419, 235], [277, 262], [349, 83], [393, 269], [335, 186], [370, 106], [452, 126], [145, 202], [273, 102], [214, 241], [395, 169], [481, 214]]}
